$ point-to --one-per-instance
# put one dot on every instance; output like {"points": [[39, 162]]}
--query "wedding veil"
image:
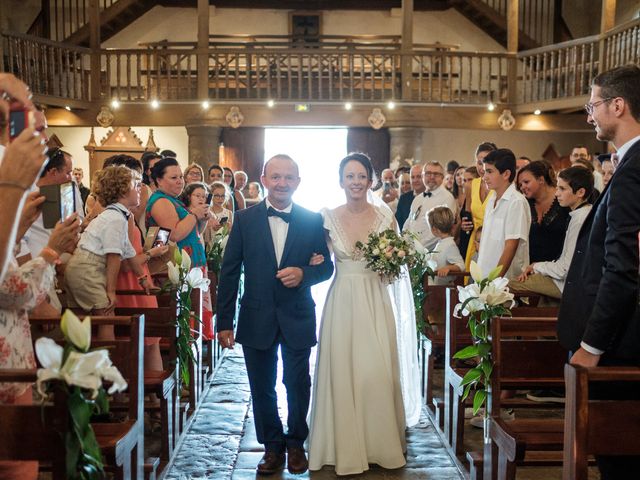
{"points": [[401, 295]]}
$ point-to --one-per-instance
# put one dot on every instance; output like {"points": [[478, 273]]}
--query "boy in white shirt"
{"points": [[446, 253], [574, 188], [507, 218]]}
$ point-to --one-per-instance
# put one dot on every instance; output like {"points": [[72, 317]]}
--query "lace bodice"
{"points": [[342, 245]]}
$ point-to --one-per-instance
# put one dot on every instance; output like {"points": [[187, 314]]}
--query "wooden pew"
{"points": [[598, 427], [122, 442]]}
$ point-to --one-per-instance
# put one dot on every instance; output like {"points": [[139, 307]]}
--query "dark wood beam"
{"points": [[422, 5]]}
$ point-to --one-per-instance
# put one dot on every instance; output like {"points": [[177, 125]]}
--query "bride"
{"points": [[358, 416]]}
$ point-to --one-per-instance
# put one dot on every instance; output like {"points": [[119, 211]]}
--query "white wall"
{"points": [[180, 24], [444, 144], [75, 138]]}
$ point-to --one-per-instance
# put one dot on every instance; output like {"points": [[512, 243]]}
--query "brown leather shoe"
{"points": [[297, 460], [271, 463]]}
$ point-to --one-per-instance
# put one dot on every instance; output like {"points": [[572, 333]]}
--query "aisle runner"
{"points": [[221, 443]]}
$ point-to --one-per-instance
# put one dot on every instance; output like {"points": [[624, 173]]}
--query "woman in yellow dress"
{"points": [[480, 195]]}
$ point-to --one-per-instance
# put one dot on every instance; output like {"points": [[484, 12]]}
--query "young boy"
{"points": [[574, 188], [507, 218], [447, 254]]}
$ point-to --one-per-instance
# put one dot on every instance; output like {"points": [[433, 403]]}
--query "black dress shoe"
{"points": [[271, 463], [297, 460]]}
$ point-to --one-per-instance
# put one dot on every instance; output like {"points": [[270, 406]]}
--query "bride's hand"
{"points": [[316, 259]]}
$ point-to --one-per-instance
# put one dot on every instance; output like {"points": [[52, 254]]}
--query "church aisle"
{"points": [[221, 442]]}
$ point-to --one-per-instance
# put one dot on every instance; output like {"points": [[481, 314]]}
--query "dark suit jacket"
{"points": [[404, 208], [600, 298], [267, 307]]}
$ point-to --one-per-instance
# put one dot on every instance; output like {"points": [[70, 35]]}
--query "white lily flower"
{"points": [[186, 261], [497, 293], [75, 331], [195, 279], [173, 272], [118, 383], [476, 272], [476, 304]]}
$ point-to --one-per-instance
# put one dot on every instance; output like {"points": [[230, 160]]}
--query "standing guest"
{"points": [[580, 152], [449, 180], [388, 192], [599, 318], [406, 199], [464, 236], [574, 189], [215, 173], [457, 189], [404, 180], [480, 196], [241, 178], [452, 166], [237, 199], [220, 216], [436, 194], [149, 159], [78, 175], [607, 168], [522, 162], [193, 173], [254, 193], [549, 220], [167, 211], [168, 154], [507, 218]]}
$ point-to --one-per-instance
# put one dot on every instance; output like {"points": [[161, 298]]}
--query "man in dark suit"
{"points": [[274, 241], [599, 319], [406, 199]]}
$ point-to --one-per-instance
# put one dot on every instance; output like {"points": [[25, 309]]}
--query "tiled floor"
{"points": [[221, 442]]}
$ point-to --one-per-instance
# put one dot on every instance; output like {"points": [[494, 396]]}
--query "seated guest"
{"points": [[220, 216], [575, 185], [166, 210], [549, 219], [193, 173], [92, 272], [447, 256]]}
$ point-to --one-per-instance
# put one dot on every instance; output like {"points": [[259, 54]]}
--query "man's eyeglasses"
{"points": [[433, 174], [590, 107]]}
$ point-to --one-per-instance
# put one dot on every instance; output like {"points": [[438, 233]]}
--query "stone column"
{"points": [[203, 145], [405, 146]]}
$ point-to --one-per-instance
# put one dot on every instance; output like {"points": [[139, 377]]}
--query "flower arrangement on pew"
{"points": [[215, 249], [184, 279], [416, 273], [81, 373], [387, 252], [481, 301]]}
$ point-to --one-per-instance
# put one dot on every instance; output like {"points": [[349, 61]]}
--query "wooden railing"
{"points": [[535, 17], [49, 68], [68, 16], [566, 69]]}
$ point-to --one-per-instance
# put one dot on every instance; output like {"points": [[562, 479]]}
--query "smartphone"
{"points": [[162, 238], [19, 119], [209, 198], [386, 187], [59, 204], [224, 220]]}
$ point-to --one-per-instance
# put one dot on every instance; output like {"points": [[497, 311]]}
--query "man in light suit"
{"points": [[274, 241], [599, 319]]}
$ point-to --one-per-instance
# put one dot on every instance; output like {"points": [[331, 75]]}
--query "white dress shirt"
{"points": [[508, 218], [109, 233], [557, 270], [279, 229], [446, 253], [422, 203]]}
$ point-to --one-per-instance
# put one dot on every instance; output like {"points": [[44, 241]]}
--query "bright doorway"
{"points": [[318, 152]]}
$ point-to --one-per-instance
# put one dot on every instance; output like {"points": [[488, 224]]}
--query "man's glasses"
{"points": [[590, 107], [433, 174]]}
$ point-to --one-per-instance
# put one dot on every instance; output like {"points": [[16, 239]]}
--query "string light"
{"points": [[67, 107], [271, 103], [537, 111], [155, 104], [205, 105], [115, 104], [391, 105], [491, 106], [348, 106]]}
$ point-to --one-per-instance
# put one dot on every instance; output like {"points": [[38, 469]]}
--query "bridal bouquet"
{"points": [[387, 252], [481, 301], [82, 372]]}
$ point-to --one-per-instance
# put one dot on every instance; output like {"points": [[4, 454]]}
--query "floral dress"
{"points": [[21, 290]]}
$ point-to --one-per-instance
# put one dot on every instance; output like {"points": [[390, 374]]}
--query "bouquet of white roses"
{"points": [[387, 252]]}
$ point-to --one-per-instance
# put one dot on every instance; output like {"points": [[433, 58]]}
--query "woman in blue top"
{"points": [[165, 210]]}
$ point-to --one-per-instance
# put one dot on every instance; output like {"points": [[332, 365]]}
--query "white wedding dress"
{"points": [[357, 411]]}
